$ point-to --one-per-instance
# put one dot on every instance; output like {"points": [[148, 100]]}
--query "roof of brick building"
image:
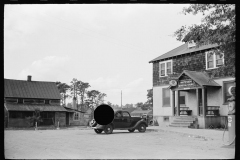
{"points": [[183, 49]]}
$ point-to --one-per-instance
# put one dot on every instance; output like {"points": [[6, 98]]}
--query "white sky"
{"points": [[107, 45]]}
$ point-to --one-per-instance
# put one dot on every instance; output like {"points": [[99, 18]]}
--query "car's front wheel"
{"points": [[98, 131], [131, 130], [142, 128], [108, 129]]}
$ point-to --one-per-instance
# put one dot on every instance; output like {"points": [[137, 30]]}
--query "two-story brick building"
{"points": [[193, 82], [22, 98]]}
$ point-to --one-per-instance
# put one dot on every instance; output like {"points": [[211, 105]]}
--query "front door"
{"points": [[118, 120], [126, 119]]}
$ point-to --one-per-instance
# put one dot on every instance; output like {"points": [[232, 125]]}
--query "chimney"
{"points": [[74, 105], [29, 78]]}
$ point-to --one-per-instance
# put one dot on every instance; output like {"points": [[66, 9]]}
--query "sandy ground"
{"points": [[82, 144]]}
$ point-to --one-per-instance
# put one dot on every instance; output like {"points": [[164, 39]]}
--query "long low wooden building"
{"points": [[22, 98]]}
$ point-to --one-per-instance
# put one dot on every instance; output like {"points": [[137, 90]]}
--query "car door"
{"points": [[118, 120], [126, 119]]}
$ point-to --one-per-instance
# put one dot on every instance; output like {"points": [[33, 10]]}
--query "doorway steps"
{"points": [[184, 121]]}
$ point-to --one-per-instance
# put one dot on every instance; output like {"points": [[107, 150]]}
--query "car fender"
{"points": [[139, 122]]}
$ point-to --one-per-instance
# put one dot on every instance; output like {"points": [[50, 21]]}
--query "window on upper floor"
{"points": [[214, 60], [165, 68]]}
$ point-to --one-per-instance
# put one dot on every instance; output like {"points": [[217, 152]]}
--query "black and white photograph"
{"points": [[119, 81]]}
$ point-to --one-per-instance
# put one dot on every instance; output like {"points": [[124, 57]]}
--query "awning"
{"points": [[32, 107]]}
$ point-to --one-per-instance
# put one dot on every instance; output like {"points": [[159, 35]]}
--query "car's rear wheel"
{"points": [[98, 131], [131, 130], [108, 129], [142, 128]]}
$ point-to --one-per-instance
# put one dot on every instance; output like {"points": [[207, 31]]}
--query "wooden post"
{"points": [[178, 103], [204, 96], [173, 103], [197, 96]]}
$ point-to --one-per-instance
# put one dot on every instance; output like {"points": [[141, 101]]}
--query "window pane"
{"points": [[210, 65], [166, 96], [163, 66], [39, 101], [168, 71], [209, 57], [168, 65], [219, 62], [28, 101], [162, 72], [125, 114], [12, 100]]}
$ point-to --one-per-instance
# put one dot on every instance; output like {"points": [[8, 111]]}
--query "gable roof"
{"points": [[200, 78], [30, 89], [183, 49]]}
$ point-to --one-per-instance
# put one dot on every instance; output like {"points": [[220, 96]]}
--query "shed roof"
{"points": [[30, 89], [32, 107], [183, 49]]}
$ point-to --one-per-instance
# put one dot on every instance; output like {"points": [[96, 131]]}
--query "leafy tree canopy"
{"points": [[217, 27]]}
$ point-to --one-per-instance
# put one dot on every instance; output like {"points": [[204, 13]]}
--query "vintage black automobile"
{"points": [[122, 121]]}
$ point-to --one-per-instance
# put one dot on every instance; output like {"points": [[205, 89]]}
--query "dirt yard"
{"points": [[82, 144]]}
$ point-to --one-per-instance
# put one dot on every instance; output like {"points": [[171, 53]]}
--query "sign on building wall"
{"points": [[185, 82]]}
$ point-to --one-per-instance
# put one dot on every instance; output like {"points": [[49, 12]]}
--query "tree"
{"points": [[217, 27], [150, 97], [93, 97], [63, 88]]}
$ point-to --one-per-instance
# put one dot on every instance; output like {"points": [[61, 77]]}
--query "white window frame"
{"points": [[165, 64], [214, 60]]}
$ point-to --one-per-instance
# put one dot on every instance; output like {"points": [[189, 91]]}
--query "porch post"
{"points": [[197, 95], [204, 96], [204, 101], [178, 103], [173, 102]]}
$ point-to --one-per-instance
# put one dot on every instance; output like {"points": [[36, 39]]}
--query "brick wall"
{"points": [[192, 62]]}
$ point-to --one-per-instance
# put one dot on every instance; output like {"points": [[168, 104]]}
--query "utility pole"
{"points": [[121, 99]]}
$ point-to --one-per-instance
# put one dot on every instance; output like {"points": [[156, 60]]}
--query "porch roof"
{"points": [[32, 107], [200, 78]]}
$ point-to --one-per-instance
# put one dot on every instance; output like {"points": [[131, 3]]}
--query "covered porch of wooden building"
{"points": [[197, 85]]}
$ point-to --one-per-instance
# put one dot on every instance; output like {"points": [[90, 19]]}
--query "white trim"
{"points": [[214, 60], [165, 65]]}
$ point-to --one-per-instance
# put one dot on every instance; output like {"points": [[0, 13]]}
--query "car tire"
{"points": [[142, 127], [98, 131], [108, 129], [131, 130]]}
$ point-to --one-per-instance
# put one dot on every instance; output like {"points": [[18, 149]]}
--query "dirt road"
{"points": [[82, 144]]}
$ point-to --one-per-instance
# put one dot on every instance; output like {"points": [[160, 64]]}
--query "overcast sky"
{"points": [[107, 45]]}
